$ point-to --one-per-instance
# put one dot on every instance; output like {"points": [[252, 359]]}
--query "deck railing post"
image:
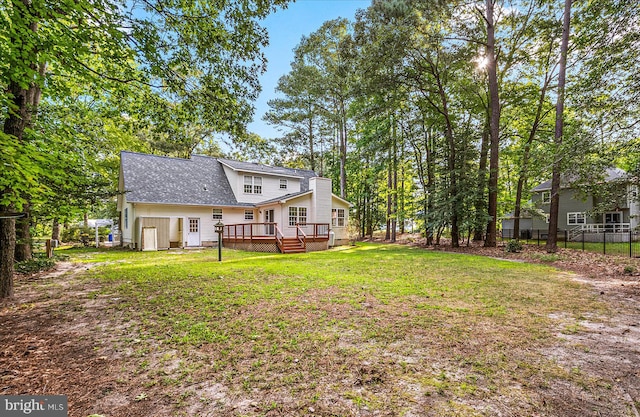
{"points": [[604, 242], [583, 240], [630, 236], [538, 237], [566, 235]]}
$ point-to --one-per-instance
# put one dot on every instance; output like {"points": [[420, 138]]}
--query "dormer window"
{"points": [[252, 185], [283, 184]]}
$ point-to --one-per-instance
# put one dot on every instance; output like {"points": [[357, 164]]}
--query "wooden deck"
{"points": [[267, 237]]}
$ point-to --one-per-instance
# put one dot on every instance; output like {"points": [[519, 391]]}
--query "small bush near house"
{"points": [[514, 246]]}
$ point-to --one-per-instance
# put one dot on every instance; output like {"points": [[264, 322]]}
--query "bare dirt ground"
{"points": [[55, 341]]}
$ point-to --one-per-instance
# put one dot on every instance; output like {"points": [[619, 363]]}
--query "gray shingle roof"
{"points": [[611, 174], [197, 181], [158, 179], [284, 197]]}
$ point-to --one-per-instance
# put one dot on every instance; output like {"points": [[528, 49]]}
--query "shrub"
{"points": [[629, 270], [36, 264], [514, 246]]}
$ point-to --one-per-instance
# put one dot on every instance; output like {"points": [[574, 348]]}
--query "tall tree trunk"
{"points": [[55, 230], [494, 127], [24, 103], [387, 235], [343, 151], [552, 239], [7, 250], [312, 160], [22, 250], [480, 206], [394, 164]]}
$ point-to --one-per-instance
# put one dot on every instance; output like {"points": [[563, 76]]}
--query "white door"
{"points": [[193, 237], [611, 221]]}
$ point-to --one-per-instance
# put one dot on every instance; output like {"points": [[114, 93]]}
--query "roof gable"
{"points": [[610, 175]]}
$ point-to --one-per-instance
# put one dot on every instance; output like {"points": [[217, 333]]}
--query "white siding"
{"points": [[205, 214], [304, 201], [270, 187], [340, 232], [127, 227], [321, 201], [232, 176]]}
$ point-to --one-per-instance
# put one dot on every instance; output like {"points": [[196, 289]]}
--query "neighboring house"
{"points": [[174, 203], [580, 213], [526, 225]]}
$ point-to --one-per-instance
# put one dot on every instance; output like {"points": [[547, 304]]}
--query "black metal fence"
{"points": [[609, 243]]}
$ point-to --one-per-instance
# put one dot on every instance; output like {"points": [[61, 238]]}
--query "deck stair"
{"points": [[292, 245]]}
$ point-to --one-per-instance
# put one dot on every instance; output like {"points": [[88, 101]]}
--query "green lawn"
{"points": [[373, 327]]}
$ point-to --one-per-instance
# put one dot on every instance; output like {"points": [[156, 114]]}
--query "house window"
{"points": [[614, 217], [576, 218], [297, 215], [283, 184], [217, 214], [248, 214], [302, 215], [337, 217], [252, 185], [546, 197], [126, 218]]}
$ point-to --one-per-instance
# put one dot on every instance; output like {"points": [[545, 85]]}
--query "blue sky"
{"points": [[286, 27]]}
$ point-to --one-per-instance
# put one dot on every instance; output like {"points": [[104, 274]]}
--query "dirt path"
{"points": [[55, 339]]}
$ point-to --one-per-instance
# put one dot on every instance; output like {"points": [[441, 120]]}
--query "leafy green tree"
{"points": [[299, 112], [202, 57]]}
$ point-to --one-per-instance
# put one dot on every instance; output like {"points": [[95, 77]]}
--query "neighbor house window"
{"points": [[283, 184], [126, 218], [252, 185], [337, 217], [576, 218], [297, 215], [217, 214], [248, 214], [546, 197]]}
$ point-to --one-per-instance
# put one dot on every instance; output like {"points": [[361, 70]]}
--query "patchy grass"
{"points": [[382, 329]]}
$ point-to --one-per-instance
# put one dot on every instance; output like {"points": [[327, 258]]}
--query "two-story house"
{"points": [[614, 211], [174, 203]]}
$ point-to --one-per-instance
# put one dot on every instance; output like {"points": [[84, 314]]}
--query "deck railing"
{"points": [[301, 235], [314, 230], [606, 227], [250, 231], [279, 239]]}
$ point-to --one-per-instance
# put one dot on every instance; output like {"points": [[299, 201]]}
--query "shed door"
{"points": [[193, 236]]}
